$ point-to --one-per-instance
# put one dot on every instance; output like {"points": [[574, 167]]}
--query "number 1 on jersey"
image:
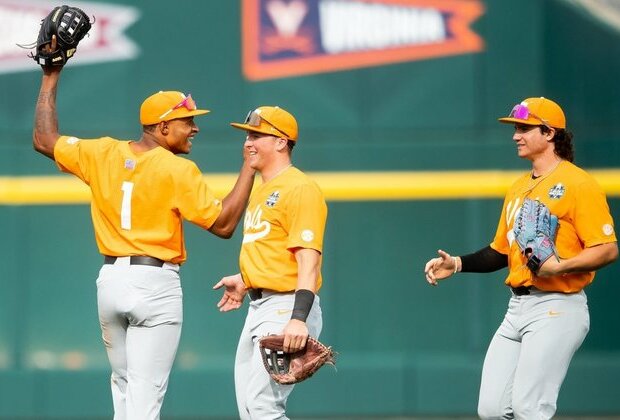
{"points": [[126, 205]]}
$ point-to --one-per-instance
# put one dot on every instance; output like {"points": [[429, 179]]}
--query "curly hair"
{"points": [[563, 140]]}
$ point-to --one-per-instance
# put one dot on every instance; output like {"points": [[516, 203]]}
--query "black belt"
{"points": [[258, 293], [521, 290], [136, 260], [255, 294]]}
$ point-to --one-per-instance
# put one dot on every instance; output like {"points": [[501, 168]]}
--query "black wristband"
{"points": [[304, 299]]}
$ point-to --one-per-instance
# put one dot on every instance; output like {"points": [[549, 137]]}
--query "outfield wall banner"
{"points": [[315, 36], [106, 41]]}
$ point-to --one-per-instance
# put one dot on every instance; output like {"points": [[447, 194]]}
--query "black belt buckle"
{"points": [[521, 290], [137, 260], [255, 294]]}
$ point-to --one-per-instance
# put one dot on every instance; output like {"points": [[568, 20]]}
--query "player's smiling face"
{"points": [[531, 141], [260, 149], [181, 133]]}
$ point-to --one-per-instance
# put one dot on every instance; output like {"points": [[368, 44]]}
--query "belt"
{"points": [[255, 294], [137, 260], [521, 290]]}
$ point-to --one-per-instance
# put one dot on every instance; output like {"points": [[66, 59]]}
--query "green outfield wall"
{"points": [[408, 150]]}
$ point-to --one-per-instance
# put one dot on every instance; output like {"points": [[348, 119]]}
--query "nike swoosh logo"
{"points": [[283, 311], [554, 313]]}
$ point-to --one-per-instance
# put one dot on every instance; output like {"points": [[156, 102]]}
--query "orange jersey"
{"points": [[283, 214], [139, 201], [578, 201]]}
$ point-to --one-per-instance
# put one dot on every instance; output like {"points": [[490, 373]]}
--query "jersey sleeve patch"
{"points": [[307, 235], [608, 229]]}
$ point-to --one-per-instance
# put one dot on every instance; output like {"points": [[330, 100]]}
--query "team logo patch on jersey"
{"points": [[307, 235], [273, 199], [608, 229], [557, 191], [72, 140], [130, 164]]}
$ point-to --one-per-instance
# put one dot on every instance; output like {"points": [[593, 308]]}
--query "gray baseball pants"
{"points": [[141, 313], [258, 396], [529, 355]]}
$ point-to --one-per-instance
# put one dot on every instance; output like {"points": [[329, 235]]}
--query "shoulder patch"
{"points": [[608, 229], [307, 235], [72, 140]]}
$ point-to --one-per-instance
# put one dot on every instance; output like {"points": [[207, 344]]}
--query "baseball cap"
{"points": [[166, 106], [271, 120], [537, 111]]}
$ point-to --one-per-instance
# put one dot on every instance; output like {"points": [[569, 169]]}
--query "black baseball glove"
{"points": [[69, 25], [290, 368], [535, 228]]}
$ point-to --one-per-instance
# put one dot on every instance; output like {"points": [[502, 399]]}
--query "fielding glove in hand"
{"points": [[69, 25], [290, 368], [535, 228]]}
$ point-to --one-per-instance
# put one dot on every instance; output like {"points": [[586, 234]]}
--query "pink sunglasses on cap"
{"points": [[522, 112], [187, 102]]}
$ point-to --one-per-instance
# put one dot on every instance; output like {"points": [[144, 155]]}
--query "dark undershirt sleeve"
{"points": [[484, 261]]}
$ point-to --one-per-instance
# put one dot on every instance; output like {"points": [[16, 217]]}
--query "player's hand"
{"points": [[295, 335], [551, 267], [246, 162], [245, 153], [52, 46], [234, 292], [439, 268]]}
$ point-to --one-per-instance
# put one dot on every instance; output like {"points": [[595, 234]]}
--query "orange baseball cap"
{"points": [[537, 111], [166, 106], [271, 120]]}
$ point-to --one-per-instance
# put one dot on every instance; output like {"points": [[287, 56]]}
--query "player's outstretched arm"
{"points": [[234, 204], [441, 267], [45, 133], [234, 292]]}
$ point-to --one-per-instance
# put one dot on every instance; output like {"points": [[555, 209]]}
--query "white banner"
{"points": [[106, 41]]}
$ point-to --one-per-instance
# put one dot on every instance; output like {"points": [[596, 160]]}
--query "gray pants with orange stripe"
{"points": [[529, 355]]}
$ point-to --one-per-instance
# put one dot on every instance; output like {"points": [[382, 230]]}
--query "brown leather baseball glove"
{"points": [[290, 368]]}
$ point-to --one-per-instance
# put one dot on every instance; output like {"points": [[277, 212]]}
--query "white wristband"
{"points": [[456, 266]]}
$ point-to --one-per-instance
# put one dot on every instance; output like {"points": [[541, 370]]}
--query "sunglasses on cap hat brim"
{"points": [[522, 112], [253, 119], [187, 103]]}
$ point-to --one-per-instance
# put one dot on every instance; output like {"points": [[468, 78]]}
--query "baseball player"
{"points": [[547, 317], [280, 261], [141, 192]]}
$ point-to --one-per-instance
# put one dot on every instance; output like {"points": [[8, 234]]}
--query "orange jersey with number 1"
{"points": [[283, 214], [139, 201], [578, 201]]}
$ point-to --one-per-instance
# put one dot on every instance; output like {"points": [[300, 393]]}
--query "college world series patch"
{"points": [[557, 191], [273, 199]]}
